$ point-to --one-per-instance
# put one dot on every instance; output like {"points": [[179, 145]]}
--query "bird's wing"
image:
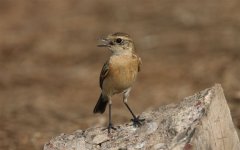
{"points": [[139, 64], [104, 72]]}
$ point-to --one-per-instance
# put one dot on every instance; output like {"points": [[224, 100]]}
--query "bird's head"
{"points": [[118, 43]]}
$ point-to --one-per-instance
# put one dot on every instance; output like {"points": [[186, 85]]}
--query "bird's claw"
{"points": [[110, 126], [137, 122]]}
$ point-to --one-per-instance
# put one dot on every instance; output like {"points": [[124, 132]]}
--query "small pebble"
{"points": [[151, 127], [100, 138]]}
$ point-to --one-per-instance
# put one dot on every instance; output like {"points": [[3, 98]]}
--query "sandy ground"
{"points": [[50, 65]]}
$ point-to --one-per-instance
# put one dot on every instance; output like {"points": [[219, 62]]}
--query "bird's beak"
{"points": [[104, 42]]}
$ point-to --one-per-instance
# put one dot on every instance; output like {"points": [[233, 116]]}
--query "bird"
{"points": [[118, 74]]}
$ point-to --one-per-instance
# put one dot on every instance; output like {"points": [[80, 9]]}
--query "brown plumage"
{"points": [[118, 73]]}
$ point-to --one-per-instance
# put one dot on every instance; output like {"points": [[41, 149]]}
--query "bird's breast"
{"points": [[122, 74]]}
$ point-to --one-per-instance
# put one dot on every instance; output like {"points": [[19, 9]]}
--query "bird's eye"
{"points": [[119, 40]]}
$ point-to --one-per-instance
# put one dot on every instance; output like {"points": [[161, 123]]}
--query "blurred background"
{"points": [[50, 65]]}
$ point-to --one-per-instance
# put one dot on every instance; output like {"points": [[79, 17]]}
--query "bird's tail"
{"points": [[101, 104]]}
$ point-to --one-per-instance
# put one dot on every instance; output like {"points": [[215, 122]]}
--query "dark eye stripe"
{"points": [[118, 40]]}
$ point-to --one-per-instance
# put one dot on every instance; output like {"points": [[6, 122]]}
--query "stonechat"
{"points": [[118, 73]]}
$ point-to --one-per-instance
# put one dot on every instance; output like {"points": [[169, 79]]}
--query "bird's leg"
{"points": [[136, 120], [110, 125]]}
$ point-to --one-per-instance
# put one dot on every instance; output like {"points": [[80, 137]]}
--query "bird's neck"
{"points": [[117, 53]]}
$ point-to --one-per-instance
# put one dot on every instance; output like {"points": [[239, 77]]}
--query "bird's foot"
{"points": [[137, 122], [110, 126]]}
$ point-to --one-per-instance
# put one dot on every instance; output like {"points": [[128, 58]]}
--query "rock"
{"points": [[201, 122]]}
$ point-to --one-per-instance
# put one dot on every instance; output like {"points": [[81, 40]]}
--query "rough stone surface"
{"points": [[201, 122]]}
